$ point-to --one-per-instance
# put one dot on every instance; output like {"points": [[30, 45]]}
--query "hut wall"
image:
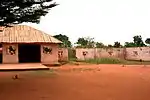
{"points": [[10, 55], [49, 58], [63, 54]]}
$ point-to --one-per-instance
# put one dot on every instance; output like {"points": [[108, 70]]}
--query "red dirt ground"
{"points": [[84, 82]]}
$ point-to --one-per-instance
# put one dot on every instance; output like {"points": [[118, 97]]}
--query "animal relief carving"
{"points": [[135, 53], [11, 50], [110, 53], [47, 50]]}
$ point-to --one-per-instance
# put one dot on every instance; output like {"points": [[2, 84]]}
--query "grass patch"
{"points": [[104, 61], [113, 61], [131, 62]]}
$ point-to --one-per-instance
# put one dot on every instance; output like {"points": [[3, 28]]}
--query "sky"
{"points": [[105, 20]]}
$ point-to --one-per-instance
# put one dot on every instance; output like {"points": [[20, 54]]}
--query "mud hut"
{"points": [[24, 44]]}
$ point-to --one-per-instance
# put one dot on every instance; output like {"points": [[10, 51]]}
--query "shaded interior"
{"points": [[29, 53]]}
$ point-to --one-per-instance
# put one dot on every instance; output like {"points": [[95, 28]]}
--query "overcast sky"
{"points": [[105, 20]]}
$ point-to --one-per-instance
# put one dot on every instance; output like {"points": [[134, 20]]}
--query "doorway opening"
{"points": [[1, 53], [29, 53]]}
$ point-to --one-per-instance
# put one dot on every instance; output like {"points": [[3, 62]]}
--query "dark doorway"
{"points": [[1, 53], [29, 53]]}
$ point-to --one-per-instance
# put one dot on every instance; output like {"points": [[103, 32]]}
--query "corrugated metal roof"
{"points": [[25, 34]]}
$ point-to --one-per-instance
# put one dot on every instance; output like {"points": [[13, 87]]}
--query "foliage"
{"points": [[129, 44], [114, 61], [19, 11], [117, 44], [138, 41], [64, 39], [104, 61], [86, 42], [99, 45], [147, 41], [82, 42], [109, 45], [91, 42]]}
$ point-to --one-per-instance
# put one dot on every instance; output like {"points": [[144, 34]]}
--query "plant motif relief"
{"points": [[11, 50], [47, 50]]}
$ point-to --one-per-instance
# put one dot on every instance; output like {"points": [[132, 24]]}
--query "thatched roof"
{"points": [[25, 34]]}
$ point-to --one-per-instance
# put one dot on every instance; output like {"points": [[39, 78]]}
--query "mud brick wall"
{"points": [[63, 54], [85, 53], [138, 53]]}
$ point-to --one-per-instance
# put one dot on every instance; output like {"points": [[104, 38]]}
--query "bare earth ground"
{"points": [[83, 82]]}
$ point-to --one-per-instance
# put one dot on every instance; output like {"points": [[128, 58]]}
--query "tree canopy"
{"points": [[137, 42], [147, 41], [109, 45], [117, 44], [99, 45], [129, 44], [82, 42], [86, 42], [19, 11], [64, 39]]}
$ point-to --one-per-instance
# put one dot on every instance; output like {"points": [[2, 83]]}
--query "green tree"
{"points": [[117, 44], [99, 45], [19, 11], [109, 45], [147, 41], [82, 42], [90, 43], [138, 41], [130, 44], [86, 42], [64, 39]]}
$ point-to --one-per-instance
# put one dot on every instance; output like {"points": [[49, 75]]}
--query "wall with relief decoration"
{"points": [[10, 53], [86, 53], [49, 53], [134, 53], [138, 53], [63, 54]]}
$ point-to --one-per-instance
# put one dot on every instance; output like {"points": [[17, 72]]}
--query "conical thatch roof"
{"points": [[25, 34]]}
